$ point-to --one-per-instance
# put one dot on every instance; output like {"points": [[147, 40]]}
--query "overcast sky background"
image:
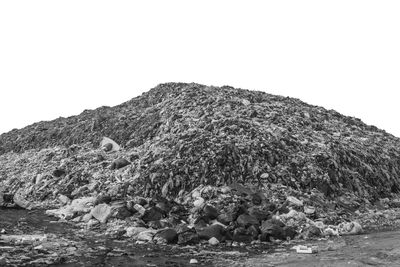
{"points": [[58, 58]]}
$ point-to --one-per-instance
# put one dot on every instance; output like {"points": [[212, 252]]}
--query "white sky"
{"points": [[58, 58]]}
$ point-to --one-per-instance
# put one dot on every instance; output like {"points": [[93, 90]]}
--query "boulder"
{"points": [[241, 235], [271, 228], [102, 198], [59, 172], [146, 235], [109, 145], [152, 214], [246, 220], [102, 212], [254, 231], [119, 163], [21, 201], [214, 230], [166, 236], [259, 214], [350, 228], [289, 232], [210, 212], [134, 231], [226, 218], [188, 238]]}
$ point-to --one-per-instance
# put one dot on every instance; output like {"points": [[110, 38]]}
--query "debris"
{"points": [[193, 261], [305, 249], [109, 145]]}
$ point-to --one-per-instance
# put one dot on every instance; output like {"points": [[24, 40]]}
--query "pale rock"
{"points": [[213, 241], [198, 203], [102, 212], [134, 231], [146, 235], [295, 201]]}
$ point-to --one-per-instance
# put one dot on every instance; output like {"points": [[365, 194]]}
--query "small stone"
{"points": [[213, 241], [193, 261]]}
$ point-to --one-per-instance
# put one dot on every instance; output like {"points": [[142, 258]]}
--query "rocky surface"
{"points": [[190, 164]]}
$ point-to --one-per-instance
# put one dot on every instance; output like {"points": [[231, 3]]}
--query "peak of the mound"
{"points": [[191, 134]]}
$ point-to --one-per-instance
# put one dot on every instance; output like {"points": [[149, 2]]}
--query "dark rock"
{"points": [[164, 205], [107, 147], [201, 222], [289, 232], [183, 227], [102, 199], [247, 220], [214, 230], [121, 212], [119, 163], [226, 218], [242, 235], [254, 231], [133, 157], [210, 212], [188, 238], [259, 214], [168, 236], [58, 172], [155, 224], [152, 214], [272, 228], [256, 199], [140, 200], [312, 231]]}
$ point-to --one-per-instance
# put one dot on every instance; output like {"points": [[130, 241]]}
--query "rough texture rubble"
{"points": [[204, 162]]}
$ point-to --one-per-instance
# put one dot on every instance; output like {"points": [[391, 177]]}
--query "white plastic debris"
{"points": [[194, 261], [305, 249]]}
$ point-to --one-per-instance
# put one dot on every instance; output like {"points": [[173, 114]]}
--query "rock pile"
{"points": [[184, 163]]}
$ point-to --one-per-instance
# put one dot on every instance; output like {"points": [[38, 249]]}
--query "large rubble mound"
{"points": [[257, 165], [179, 136]]}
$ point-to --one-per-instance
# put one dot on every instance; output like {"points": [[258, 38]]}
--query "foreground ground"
{"points": [[30, 238]]}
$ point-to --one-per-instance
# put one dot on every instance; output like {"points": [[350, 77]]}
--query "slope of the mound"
{"points": [[178, 136]]}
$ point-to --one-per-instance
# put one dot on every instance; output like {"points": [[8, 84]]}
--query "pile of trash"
{"points": [[189, 162]]}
